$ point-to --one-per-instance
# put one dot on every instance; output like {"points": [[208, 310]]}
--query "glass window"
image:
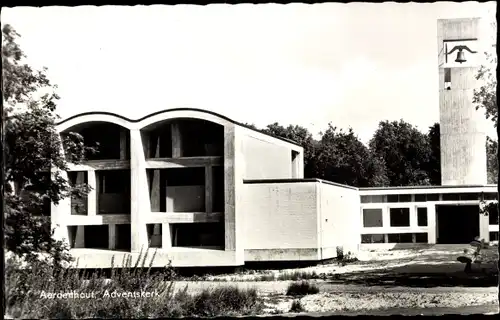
{"points": [[422, 217], [405, 198], [490, 196], [432, 197], [372, 218], [421, 238], [392, 198], [451, 196], [365, 199], [469, 196], [400, 238], [420, 198], [494, 236], [400, 217], [372, 238]]}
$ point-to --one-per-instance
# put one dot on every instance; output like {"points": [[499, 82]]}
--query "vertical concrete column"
{"points": [[208, 189], [92, 196], [166, 238], [431, 223], [140, 207], [484, 227], [413, 217], [229, 189], [236, 218], [80, 237], [176, 140], [155, 181], [386, 217], [112, 236], [123, 144], [300, 165], [60, 213]]}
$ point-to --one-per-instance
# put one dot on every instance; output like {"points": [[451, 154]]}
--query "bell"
{"points": [[460, 56]]}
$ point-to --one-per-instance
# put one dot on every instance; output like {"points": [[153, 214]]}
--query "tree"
{"points": [[434, 165], [34, 157], [301, 136], [343, 158], [492, 161], [405, 150]]}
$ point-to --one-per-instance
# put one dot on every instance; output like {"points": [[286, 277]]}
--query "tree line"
{"points": [[398, 154]]}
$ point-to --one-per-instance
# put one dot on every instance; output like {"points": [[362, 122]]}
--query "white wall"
{"points": [[280, 216], [265, 160], [339, 219]]}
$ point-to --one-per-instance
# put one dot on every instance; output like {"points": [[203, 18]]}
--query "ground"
{"points": [[395, 281]]}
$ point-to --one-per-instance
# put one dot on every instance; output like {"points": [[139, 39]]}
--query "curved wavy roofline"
{"points": [[173, 110]]}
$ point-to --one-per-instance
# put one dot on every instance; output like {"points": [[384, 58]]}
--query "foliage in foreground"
{"points": [[27, 289], [301, 288]]}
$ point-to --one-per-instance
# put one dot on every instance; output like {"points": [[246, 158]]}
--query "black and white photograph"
{"points": [[281, 160]]}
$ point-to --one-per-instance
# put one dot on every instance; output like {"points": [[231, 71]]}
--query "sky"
{"points": [[351, 65]]}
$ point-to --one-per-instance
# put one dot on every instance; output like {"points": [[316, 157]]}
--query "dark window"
{"points": [[432, 197], [392, 198], [420, 198], [469, 196], [405, 198], [447, 78], [421, 238], [451, 197], [493, 213], [490, 196], [372, 218], [494, 236], [372, 199], [185, 176], [372, 238], [400, 238], [114, 181], [422, 217], [400, 217]]}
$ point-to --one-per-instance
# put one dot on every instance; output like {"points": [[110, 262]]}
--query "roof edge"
{"points": [[172, 110]]}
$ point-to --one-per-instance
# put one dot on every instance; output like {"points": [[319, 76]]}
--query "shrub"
{"points": [[301, 288], [298, 275], [297, 306]]}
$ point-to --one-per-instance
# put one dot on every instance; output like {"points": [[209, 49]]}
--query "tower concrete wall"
{"points": [[463, 130]]}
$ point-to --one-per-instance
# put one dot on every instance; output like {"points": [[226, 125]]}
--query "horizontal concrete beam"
{"points": [[183, 217], [100, 219], [165, 163], [101, 165], [391, 230]]}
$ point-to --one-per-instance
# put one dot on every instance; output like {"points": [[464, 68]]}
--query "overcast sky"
{"points": [[349, 64]]}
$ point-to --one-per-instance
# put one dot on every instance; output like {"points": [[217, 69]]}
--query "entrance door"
{"points": [[457, 224]]}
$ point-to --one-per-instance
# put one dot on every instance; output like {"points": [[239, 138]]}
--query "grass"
{"points": [[301, 288], [26, 292]]}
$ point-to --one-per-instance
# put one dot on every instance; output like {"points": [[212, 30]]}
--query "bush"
{"points": [[301, 288], [297, 306], [25, 289]]}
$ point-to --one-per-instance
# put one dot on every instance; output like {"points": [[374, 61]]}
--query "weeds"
{"points": [[301, 288], [297, 306], [146, 295]]}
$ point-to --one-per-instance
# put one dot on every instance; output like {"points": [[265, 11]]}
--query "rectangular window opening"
{"points": [[422, 217], [399, 217], [372, 218]]}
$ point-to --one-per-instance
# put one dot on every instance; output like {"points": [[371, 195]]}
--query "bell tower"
{"points": [[463, 130]]}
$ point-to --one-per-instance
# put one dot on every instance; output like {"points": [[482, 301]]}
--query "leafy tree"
{"points": [[303, 137], [406, 152], [34, 158], [492, 161], [343, 158], [434, 165]]}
